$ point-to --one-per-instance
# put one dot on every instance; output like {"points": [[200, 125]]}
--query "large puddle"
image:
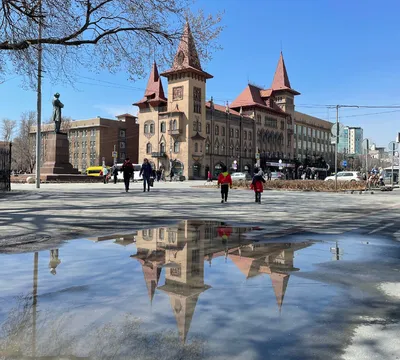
{"points": [[192, 291]]}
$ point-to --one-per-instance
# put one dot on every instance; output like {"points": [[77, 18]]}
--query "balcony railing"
{"points": [[159, 154]]}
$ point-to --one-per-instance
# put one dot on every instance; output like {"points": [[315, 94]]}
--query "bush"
{"points": [[304, 185]]}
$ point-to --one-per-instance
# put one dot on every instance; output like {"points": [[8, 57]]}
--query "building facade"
{"points": [[93, 141], [185, 133], [355, 140], [312, 139]]}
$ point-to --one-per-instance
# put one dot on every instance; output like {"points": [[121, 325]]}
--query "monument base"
{"points": [[57, 156]]}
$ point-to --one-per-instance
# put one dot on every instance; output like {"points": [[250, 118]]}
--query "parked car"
{"points": [[240, 176], [276, 175], [345, 176]]}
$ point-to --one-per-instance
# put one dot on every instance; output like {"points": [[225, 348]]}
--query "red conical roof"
{"points": [[186, 57], [279, 283], [281, 78], [154, 92]]}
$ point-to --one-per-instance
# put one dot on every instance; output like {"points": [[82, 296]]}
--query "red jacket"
{"points": [[224, 231], [257, 187], [225, 178]]}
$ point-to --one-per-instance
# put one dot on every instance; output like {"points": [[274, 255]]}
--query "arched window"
{"points": [[163, 127], [176, 146], [196, 147], [148, 148], [208, 128], [245, 135], [201, 147], [207, 148], [216, 130], [174, 125], [222, 150], [146, 128], [151, 128], [162, 147]]}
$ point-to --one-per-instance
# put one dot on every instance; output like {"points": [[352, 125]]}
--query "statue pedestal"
{"points": [[57, 156]]}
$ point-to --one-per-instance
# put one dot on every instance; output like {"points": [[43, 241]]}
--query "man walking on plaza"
{"points": [[146, 171], [127, 169]]}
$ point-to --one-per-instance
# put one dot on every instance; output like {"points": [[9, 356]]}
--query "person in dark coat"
{"points": [[127, 168], [146, 171], [115, 173]]}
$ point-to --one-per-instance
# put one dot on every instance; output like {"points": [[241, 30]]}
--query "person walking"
{"points": [[127, 169], [159, 174], [171, 174], [257, 184], [115, 173], [225, 181], [146, 171], [105, 175]]}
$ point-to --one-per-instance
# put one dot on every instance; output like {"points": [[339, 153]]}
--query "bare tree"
{"points": [[7, 129], [127, 33], [23, 154]]}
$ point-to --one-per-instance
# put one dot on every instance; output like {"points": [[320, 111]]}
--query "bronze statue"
{"points": [[57, 106]]}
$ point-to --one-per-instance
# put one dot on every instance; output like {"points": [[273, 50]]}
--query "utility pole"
{"points": [[336, 144], [337, 136], [39, 99]]}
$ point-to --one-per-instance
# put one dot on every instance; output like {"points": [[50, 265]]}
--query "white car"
{"points": [[240, 176], [345, 176]]}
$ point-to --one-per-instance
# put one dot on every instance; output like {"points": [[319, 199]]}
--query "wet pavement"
{"points": [[197, 290]]}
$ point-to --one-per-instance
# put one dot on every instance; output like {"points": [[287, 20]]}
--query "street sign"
{"points": [[114, 154], [344, 163], [392, 147], [334, 129]]}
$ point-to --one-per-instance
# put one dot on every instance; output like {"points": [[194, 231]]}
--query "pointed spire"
{"points": [[151, 274], [154, 85], [186, 57], [279, 283], [154, 90], [281, 78]]}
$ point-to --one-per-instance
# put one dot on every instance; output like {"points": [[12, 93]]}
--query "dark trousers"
{"points": [[258, 197], [115, 179], [224, 191], [127, 179], [146, 179], [105, 179]]}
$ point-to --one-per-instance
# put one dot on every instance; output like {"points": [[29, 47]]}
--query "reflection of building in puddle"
{"points": [[274, 259], [120, 239], [54, 261], [182, 250]]}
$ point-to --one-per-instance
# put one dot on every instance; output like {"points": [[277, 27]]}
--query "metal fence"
{"points": [[5, 166]]}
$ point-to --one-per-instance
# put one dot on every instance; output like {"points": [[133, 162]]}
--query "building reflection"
{"points": [[182, 251]]}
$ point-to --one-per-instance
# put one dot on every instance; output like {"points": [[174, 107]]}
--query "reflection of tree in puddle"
{"points": [[121, 339]]}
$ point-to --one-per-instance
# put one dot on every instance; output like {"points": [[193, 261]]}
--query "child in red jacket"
{"points": [[257, 184], [225, 181]]}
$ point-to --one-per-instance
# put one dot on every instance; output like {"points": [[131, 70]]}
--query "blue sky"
{"points": [[336, 52]]}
